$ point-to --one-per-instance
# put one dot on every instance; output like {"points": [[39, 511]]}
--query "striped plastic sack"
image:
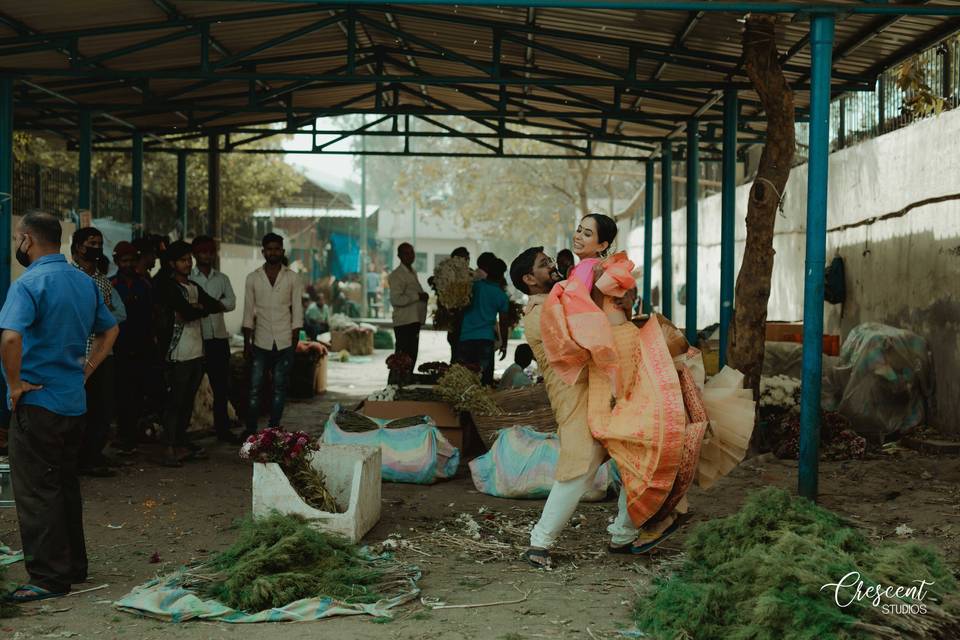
{"points": [[522, 464], [417, 455]]}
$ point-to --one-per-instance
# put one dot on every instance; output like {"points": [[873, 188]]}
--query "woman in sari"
{"points": [[637, 405]]}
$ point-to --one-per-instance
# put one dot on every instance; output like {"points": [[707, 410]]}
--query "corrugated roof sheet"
{"points": [[162, 89]]}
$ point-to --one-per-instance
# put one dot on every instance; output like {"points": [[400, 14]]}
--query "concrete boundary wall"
{"points": [[904, 271]]}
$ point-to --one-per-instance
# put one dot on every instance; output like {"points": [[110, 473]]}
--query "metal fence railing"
{"points": [[861, 115], [56, 190]]}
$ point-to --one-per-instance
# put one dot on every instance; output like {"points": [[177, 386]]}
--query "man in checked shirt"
{"points": [[86, 248]]}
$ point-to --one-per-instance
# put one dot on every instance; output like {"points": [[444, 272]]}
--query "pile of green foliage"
{"points": [[758, 574], [280, 559]]}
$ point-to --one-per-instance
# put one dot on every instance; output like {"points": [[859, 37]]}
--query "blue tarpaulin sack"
{"points": [[417, 455], [522, 464]]}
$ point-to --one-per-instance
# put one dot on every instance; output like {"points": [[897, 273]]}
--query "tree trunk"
{"points": [[753, 281]]}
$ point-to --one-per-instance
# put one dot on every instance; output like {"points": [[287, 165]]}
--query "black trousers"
{"points": [[100, 388], [183, 380], [44, 448], [407, 338], [133, 380], [216, 352], [479, 353]]}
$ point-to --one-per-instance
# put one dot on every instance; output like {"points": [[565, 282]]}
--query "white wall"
{"points": [[904, 271], [236, 261]]}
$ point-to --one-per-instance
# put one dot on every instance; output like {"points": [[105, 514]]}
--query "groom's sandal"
{"points": [[645, 544], [30, 593], [539, 558]]}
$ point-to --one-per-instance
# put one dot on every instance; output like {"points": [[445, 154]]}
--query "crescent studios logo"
{"points": [[907, 600]]}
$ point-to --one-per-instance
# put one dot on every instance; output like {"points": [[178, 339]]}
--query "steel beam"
{"points": [[84, 169], [6, 185], [693, 204], [668, 5], [649, 169], [666, 230], [728, 219], [136, 184], [822, 34], [273, 42]]}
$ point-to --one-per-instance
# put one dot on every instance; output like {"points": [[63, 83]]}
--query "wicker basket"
{"points": [[527, 406], [541, 420], [522, 399]]}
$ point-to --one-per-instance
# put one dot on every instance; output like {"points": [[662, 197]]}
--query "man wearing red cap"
{"points": [[136, 347]]}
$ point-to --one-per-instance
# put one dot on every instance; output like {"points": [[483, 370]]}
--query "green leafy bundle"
{"points": [[759, 573], [280, 559]]}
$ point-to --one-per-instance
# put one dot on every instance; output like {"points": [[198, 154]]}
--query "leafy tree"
{"points": [[247, 181], [503, 198]]}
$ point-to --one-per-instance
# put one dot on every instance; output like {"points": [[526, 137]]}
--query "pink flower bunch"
{"points": [[277, 445]]}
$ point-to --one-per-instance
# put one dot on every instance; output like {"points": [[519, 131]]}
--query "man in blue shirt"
{"points": [[48, 315], [478, 329]]}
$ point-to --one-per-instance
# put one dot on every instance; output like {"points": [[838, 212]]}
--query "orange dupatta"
{"points": [[575, 330]]}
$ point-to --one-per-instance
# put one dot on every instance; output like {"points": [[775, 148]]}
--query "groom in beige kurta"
{"points": [[578, 449], [534, 273]]}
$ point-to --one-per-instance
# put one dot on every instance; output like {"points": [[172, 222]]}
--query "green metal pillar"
{"points": [[693, 205], [821, 45], [213, 187], [86, 144], [650, 167], [137, 184], [728, 218], [363, 227], [666, 231], [182, 191], [6, 184]]}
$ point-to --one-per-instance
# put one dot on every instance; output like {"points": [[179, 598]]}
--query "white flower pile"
{"points": [[781, 392], [470, 526], [454, 282], [384, 395]]}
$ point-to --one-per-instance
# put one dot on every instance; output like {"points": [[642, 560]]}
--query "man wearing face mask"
{"points": [[49, 313], [87, 250], [272, 320]]}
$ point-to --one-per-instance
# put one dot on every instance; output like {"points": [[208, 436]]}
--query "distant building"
{"points": [[322, 231], [432, 236]]}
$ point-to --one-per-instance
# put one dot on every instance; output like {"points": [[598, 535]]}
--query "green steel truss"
{"points": [[562, 112]]}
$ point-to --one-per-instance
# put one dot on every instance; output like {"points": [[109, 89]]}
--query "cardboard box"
{"points": [[793, 332], [446, 417], [358, 343], [784, 332], [443, 414]]}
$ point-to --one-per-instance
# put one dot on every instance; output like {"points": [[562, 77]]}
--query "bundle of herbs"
{"points": [[354, 422], [784, 568], [281, 559], [292, 450], [462, 388]]}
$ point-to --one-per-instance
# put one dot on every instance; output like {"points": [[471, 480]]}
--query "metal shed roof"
{"points": [[630, 73]]}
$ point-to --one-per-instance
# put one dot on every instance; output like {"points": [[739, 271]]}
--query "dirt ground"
{"points": [[183, 514]]}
